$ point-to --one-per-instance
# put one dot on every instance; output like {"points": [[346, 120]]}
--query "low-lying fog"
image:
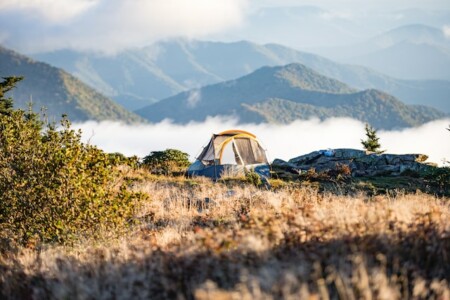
{"points": [[281, 141]]}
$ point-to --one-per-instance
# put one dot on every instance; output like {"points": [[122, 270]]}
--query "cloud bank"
{"points": [[281, 141], [111, 25], [446, 31]]}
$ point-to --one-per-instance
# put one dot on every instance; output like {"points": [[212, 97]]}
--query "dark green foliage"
{"points": [[439, 177], [6, 104], [118, 158], [253, 178], [53, 187], [167, 162], [372, 142]]}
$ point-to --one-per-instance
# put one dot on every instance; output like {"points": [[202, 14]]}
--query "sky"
{"points": [[31, 26]]}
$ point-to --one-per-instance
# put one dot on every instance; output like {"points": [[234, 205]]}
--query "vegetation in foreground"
{"points": [[199, 240], [79, 223]]}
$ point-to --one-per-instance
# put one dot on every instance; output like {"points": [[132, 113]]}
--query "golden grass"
{"points": [[199, 240]]}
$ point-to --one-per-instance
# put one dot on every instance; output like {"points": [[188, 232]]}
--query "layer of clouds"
{"points": [[372, 4], [50, 11], [111, 25], [195, 96], [446, 31], [281, 141]]}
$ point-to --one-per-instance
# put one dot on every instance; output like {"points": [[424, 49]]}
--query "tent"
{"points": [[231, 152]]}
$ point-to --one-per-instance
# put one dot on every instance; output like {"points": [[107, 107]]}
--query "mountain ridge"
{"points": [[167, 68], [249, 99], [58, 91]]}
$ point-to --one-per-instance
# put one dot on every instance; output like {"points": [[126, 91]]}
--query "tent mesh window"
{"points": [[250, 151]]}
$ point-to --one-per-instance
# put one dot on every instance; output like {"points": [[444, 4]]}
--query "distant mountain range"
{"points": [[415, 52], [58, 91], [307, 26], [140, 77], [284, 94]]}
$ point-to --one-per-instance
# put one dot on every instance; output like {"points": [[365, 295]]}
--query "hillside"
{"points": [[284, 94], [139, 77], [57, 91]]}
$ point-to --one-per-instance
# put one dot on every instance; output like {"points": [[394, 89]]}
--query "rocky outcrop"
{"points": [[361, 163]]}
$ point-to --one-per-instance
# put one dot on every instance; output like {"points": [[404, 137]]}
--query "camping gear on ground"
{"points": [[231, 153]]}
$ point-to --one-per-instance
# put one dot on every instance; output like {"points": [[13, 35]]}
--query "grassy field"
{"points": [[200, 240]]}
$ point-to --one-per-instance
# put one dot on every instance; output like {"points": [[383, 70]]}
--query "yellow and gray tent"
{"points": [[231, 151]]}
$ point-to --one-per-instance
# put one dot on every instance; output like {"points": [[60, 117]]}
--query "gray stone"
{"points": [[349, 153], [300, 160], [279, 163], [361, 163]]}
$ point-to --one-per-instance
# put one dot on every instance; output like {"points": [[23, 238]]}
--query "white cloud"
{"points": [[446, 31], [332, 15], [194, 98], [50, 10], [111, 25], [281, 141]]}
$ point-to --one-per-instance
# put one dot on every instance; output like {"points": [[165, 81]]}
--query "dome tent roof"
{"points": [[234, 148]]}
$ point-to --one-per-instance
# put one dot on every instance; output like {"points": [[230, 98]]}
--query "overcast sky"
{"points": [[111, 25]]}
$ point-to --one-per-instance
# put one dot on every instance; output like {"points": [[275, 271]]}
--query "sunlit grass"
{"points": [[197, 239]]}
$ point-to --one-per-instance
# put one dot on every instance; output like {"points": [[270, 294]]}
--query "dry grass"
{"points": [[209, 241]]}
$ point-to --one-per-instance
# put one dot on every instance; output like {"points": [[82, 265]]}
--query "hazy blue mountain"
{"points": [[312, 27], [139, 77], [410, 60], [410, 34], [413, 52], [410, 52], [283, 94], [413, 33], [58, 91]]}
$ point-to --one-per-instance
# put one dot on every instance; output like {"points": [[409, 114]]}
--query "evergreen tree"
{"points": [[6, 104], [372, 142]]}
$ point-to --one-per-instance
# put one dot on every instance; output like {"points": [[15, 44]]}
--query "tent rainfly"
{"points": [[231, 152]]}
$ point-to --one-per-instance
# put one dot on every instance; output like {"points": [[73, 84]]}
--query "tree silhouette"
{"points": [[372, 142], [6, 104]]}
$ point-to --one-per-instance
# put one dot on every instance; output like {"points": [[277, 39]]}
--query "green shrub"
{"points": [[439, 177], [253, 178], [52, 186], [118, 158], [167, 162]]}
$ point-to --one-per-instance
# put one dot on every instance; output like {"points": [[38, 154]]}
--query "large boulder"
{"points": [[361, 163]]}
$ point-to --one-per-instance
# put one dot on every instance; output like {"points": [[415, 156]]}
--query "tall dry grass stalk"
{"points": [[209, 241]]}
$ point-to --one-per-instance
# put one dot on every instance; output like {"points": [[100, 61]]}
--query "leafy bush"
{"points": [[439, 177], [52, 186], [253, 178], [118, 158], [167, 162]]}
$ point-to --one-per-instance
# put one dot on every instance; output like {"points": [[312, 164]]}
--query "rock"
{"points": [[392, 159], [284, 165], [361, 163], [305, 159], [349, 153]]}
